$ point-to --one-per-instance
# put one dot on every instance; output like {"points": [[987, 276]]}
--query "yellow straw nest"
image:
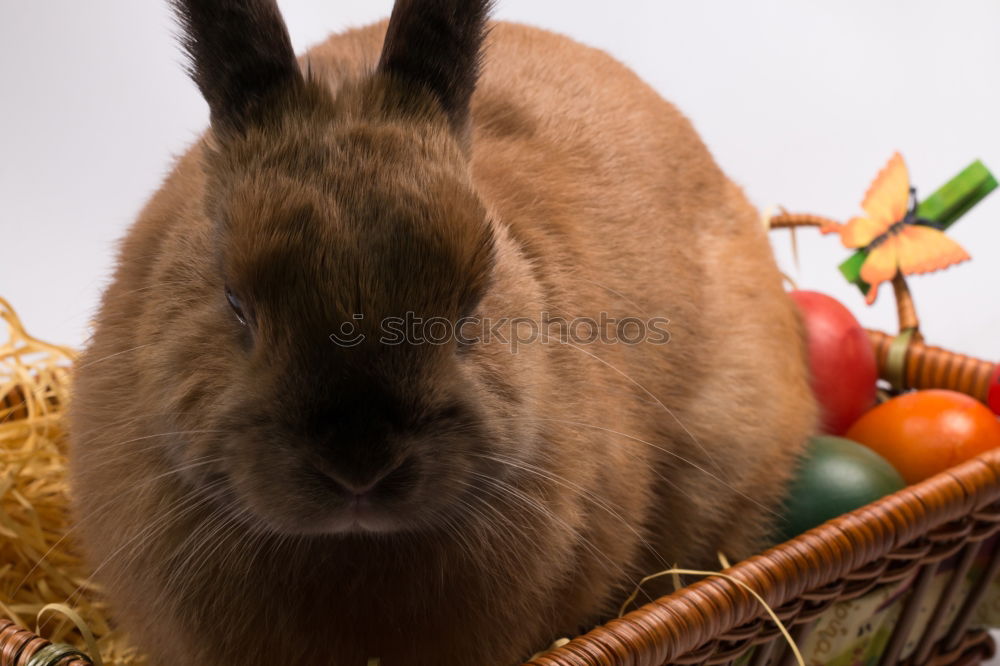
{"points": [[39, 561]]}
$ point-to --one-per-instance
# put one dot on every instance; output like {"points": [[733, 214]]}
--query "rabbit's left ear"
{"points": [[241, 58], [435, 44]]}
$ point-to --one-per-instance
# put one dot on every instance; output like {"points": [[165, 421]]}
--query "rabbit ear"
{"points": [[436, 45], [241, 57]]}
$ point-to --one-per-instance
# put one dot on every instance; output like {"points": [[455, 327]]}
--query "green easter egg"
{"points": [[834, 476]]}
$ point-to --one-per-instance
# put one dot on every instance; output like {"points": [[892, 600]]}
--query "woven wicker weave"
{"points": [[20, 647], [715, 621]]}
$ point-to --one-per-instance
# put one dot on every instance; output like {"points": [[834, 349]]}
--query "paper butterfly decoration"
{"points": [[895, 239]]}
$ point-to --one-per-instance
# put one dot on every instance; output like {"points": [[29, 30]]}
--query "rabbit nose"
{"points": [[361, 485]]}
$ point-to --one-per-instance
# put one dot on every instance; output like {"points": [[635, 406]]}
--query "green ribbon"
{"points": [[895, 359], [53, 653]]}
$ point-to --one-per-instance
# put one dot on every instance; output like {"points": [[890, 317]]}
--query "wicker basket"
{"points": [[928, 548], [904, 537], [20, 647], [926, 552]]}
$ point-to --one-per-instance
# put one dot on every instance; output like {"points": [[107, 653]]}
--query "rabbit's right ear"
{"points": [[241, 58], [436, 45]]}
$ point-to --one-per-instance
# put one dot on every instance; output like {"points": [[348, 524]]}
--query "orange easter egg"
{"points": [[926, 432]]}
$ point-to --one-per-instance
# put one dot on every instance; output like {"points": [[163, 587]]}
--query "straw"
{"points": [[40, 562]]}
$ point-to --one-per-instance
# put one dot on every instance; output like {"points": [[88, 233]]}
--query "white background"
{"points": [[801, 103]]}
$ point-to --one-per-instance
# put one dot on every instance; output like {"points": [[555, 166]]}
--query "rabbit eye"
{"points": [[237, 307]]}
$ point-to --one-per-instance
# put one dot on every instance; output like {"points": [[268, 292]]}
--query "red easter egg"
{"points": [[841, 359], [993, 395]]}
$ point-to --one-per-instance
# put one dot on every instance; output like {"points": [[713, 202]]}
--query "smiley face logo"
{"points": [[348, 335]]}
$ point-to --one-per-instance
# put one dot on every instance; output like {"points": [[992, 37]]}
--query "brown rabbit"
{"points": [[263, 477]]}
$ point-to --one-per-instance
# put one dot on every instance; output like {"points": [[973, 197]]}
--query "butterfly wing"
{"points": [[885, 203], [924, 249], [888, 197], [880, 266], [914, 249]]}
